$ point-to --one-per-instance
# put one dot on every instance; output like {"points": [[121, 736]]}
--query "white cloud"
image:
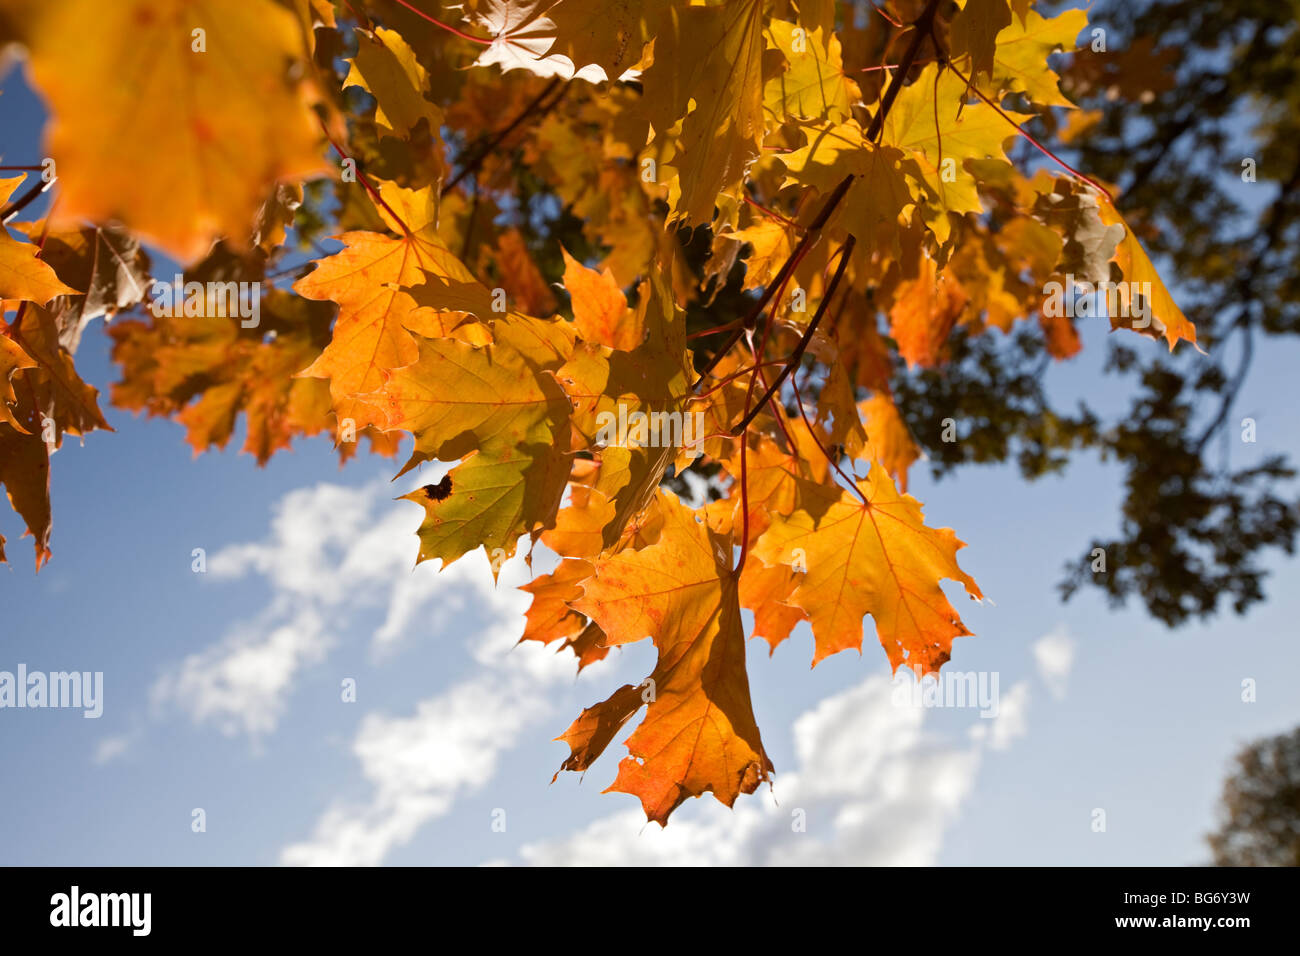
{"points": [[332, 552], [420, 764], [242, 683], [1054, 655], [1012, 722], [110, 748], [335, 551]]}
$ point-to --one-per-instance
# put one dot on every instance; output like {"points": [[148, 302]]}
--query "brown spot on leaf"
{"points": [[440, 491]]}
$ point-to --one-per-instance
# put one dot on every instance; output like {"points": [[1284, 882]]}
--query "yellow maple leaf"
{"points": [[1020, 56], [23, 275], [386, 67], [12, 358], [813, 86], [932, 121], [492, 406], [1144, 289], [712, 57], [377, 317], [600, 309], [178, 119], [883, 192]]}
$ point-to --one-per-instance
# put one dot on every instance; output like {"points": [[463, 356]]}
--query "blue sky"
{"points": [[222, 690]]}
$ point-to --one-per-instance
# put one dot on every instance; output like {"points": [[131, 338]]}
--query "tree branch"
{"points": [[482, 152], [923, 25], [795, 356]]}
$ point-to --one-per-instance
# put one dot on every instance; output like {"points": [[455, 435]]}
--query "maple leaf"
{"points": [[1020, 55], [604, 384], [106, 263], [12, 358], [771, 244], [837, 411], [1157, 311], [888, 440], [61, 401], [550, 618], [580, 526], [974, 31], [386, 67], [932, 121], [25, 474], [609, 34], [771, 474], [765, 590], [520, 276], [377, 320], [870, 554], [883, 191], [24, 276], [813, 85], [699, 733], [522, 37], [491, 404], [235, 122], [924, 312], [207, 370], [600, 310], [712, 57], [1139, 72], [1089, 241]]}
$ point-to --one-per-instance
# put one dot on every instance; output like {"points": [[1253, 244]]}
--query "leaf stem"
{"points": [[773, 214], [797, 355], [798, 400], [744, 509], [24, 200], [725, 327], [879, 10], [374, 193], [731, 378], [1021, 130], [446, 26]]}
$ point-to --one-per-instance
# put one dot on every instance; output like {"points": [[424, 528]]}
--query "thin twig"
{"points": [[923, 26], [888, 18], [722, 383], [482, 152], [25, 200], [725, 327], [778, 282], [797, 355], [773, 214]]}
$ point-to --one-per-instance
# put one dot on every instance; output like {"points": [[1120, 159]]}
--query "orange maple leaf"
{"points": [[870, 553], [699, 734]]}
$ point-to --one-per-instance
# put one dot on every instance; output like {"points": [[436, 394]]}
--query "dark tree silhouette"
{"points": [[1261, 806]]}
